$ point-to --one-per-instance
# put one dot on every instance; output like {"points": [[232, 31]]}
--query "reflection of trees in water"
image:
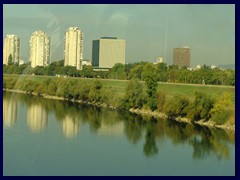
{"points": [[205, 142], [133, 127], [213, 141], [150, 146]]}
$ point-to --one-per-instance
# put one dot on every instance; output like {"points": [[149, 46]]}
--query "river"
{"points": [[51, 137]]}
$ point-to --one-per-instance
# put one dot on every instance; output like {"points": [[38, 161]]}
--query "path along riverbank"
{"points": [[143, 112]]}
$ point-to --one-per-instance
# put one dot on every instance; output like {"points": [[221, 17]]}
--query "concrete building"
{"points": [[181, 56], [73, 53], [11, 49], [108, 51], [39, 49]]}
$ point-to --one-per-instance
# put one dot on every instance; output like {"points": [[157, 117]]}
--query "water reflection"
{"points": [[10, 109], [36, 117], [70, 126], [204, 141]]}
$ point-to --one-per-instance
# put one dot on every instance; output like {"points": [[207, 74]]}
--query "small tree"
{"points": [[176, 106], [150, 77], [219, 112], [10, 59], [134, 97]]}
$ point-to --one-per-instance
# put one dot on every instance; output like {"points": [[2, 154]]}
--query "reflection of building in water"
{"points": [[10, 107], [37, 117], [70, 126], [111, 129]]}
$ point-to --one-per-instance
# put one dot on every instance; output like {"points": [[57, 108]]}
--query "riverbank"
{"points": [[142, 112], [160, 115]]}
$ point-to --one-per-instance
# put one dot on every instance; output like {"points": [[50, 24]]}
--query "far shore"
{"points": [[143, 112]]}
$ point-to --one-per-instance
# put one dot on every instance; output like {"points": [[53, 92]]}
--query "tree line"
{"points": [[203, 107], [164, 73]]}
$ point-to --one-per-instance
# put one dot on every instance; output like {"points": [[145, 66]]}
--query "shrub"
{"points": [[161, 99], [221, 117], [176, 106], [134, 97]]}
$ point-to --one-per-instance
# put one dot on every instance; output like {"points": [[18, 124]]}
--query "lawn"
{"points": [[170, 89]]}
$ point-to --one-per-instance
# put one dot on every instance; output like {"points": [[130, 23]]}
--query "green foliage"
{"points": [[176, 106], [150, 77], [134, 97], [221, 117], [94, 93], [200, 108], [161, 99], [10, 59], [118, 71], [219, 111]]}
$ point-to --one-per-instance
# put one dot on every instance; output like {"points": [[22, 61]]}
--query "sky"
{"points": [[150, 30]]}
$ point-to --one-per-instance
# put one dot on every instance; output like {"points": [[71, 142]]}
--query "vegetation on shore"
{"points": [[148, 96], [164, 73]]}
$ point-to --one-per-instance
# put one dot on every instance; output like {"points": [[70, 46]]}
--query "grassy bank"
{"points": [[111, 92]]}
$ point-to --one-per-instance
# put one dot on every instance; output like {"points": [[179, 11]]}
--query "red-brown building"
{"points": [[181, 56]]}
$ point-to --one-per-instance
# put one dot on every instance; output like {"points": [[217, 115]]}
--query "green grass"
{"points": [[170, 89]]}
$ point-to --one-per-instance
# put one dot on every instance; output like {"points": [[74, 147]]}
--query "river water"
{"points": [[49, 137]]}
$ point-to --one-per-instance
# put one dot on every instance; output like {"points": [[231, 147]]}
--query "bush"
{"points": [[201, 107], [161, 99], [134, 97], [176, 106], [221, 117]]}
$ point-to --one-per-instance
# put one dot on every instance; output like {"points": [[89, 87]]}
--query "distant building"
{"points": [[73, 53], [39, 49], [181, 56], [21, 62], [108, 51], [11, 49], [158, 60], [86, 63], [198, 67]]}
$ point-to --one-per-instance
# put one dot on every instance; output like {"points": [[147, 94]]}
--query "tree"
{"points": [[219, 112], [150, 77], [134, 97], [118, 71], [176, 106], [200, 108], [161, 99], [10, 59]]}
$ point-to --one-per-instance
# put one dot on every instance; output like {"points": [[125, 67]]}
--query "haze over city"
{"points": [[149, 30]]}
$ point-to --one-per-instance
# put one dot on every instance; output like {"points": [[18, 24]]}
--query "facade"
{"points": [[11, 49], [73, 53], [39, 49], [108, 51], [181, 56]]}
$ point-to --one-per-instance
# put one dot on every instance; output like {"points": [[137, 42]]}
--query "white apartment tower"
{"points": [[73, 53], [39, 49], [11, 49]]}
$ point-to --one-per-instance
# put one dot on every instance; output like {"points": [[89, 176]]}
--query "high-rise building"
{"points": [[108, 51], [73, 53], [181, 56], [39, 49], [11, 49]]}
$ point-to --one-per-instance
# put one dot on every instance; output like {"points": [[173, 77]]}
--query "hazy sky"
{"points": [[149, 30]]}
